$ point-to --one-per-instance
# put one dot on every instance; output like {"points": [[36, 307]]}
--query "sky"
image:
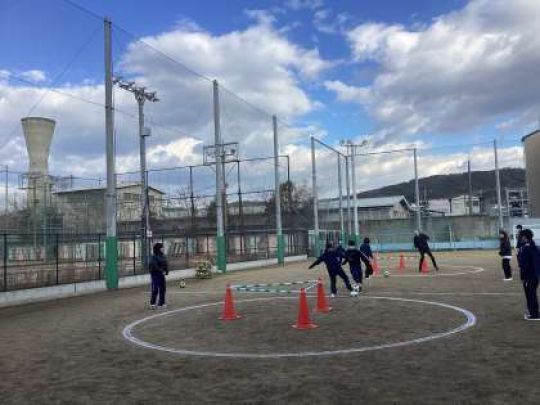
{"points": [[446, 76]]}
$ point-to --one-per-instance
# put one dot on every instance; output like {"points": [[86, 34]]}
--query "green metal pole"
{"points": [[221, 254], [279, 227], [111, 245]]}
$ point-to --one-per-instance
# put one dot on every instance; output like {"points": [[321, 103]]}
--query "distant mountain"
{"points": [[453, 185]]}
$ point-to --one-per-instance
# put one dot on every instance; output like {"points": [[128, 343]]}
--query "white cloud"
{"points": [[259, 63], [324, 21], [465, 69], [36, 76], [304, 4]]}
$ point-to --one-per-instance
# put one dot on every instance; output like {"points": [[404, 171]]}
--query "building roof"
{"points": [[390, 201], [118, 186], [536, 131]]}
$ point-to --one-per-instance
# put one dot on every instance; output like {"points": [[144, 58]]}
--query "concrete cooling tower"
{"points": [[531, 146], [38, 133]]}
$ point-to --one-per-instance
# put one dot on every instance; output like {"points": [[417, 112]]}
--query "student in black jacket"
{"points": [[354, 257], [333, 259], [505, 251], [367, 256], [158, 269], [421, 243], [529, 266]]}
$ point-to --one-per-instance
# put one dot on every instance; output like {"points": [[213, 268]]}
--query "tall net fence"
{"points": [[54, 220]]}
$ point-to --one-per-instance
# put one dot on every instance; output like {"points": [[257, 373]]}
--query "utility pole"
{"points": [[219, 151], [316, 246], [141, 95], [498, 184], [340, 186], [355, 201], [6, 198], [348, 188], [277, 198], [111, 244], [417, 192], [470, 186]]}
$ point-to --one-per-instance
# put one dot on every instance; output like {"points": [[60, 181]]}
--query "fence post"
{"points": [[56, 249], [5, 262], [135, 254], [99, 256], [187, 251]]}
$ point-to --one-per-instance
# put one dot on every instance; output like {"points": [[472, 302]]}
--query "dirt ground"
{"points": [[73, 350]]}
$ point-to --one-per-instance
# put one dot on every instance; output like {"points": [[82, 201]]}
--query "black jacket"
{"points": [[158, 263], [421, 241], [529, 261], [331, 258], [354, 257], [365, 248], [505, 249]]}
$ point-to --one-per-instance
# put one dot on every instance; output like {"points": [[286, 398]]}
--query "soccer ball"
{"points": [[182, 283], [386, 273]]}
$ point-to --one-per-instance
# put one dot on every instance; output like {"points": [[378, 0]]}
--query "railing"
{"points": [[30, 261]]}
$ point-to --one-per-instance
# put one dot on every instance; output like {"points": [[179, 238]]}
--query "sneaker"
{"points": [[508, 279], [332, 295], [354, 293], [356, 287], [359, 288], [530, 318], [164, 306], [153, 306]]}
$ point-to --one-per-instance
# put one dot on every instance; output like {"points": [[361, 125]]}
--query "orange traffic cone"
{"points": [[376, 266], [322, 302], [304, 321], [425, 266], [401, 262], [229, 313]]}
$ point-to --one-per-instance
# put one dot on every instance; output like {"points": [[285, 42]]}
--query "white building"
{"points": [[391, 207], [460, 205]]}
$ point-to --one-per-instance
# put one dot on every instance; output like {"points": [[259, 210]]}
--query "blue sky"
{"points": [[398, 73]]}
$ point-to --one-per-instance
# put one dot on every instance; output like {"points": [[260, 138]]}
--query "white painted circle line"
{"points": [[474, 270], [127, 333]]}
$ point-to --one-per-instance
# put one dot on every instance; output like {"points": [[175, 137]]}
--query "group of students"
{"points": [[528, 256], [336, 257]]}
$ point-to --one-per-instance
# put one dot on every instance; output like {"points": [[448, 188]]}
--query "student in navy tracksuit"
{"points": [[529, 265], [505, 251], [332, 258], [519, 242], [367, 256], [421, 243], [158, 269], [354, 257]]}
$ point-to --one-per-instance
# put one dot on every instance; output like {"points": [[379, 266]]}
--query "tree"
{"points": [[296, 206]]}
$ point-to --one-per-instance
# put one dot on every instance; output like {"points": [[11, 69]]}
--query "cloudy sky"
{"points": [[447, 76]]}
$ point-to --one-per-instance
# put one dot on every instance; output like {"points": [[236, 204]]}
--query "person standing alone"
{"points": [[421, 243], [159, 268], [529, 266], [505, 251]]}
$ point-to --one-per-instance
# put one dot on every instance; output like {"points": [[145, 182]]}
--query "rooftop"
{"points": [[389, 201], [98, 188]]}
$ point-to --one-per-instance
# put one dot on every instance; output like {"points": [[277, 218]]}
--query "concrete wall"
{"points": [[531, 145], [19, 297]]}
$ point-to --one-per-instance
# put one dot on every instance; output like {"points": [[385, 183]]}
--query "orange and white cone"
{"points": [[401, 262], [304, 320], [229, 313], [322, 302], [425, 266]]}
